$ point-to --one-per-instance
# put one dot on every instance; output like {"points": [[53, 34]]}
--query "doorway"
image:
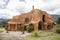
{"points": [[25, 28], [39, 26], [12, 27]]}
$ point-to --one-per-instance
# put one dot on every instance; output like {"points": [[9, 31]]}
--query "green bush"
{"points": [[3, 24], [58, 25], [29, 28], [1, 30], [36, 33], [58, 30], [20, 28]]}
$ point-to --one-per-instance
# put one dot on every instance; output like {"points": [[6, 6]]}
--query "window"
{"points": [[27, 20], [43, 18]]}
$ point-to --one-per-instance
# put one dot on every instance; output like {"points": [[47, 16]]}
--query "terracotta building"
{"points": [[40, 20]]}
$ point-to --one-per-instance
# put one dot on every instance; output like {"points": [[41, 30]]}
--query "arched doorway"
{"points": [[25, 28], [20, 27], [40, 26], [12, 27], [30, 27], [49, 26]]}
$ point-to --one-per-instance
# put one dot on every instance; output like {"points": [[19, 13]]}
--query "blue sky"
{"points": [[10, 8]]}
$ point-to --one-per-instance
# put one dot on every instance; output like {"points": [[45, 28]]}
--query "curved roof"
{"points": [[34, 16]]}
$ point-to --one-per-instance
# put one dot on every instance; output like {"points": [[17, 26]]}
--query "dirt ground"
{"points": [[12, 35]]}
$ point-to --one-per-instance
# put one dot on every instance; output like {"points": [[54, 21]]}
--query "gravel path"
{"points": [[13, 35]]}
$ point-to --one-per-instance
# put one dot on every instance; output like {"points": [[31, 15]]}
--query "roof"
{"points": [[34, 16], [13, 22]]}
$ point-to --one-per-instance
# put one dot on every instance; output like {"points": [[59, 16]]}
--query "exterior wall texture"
{"points": [[33, 17]]}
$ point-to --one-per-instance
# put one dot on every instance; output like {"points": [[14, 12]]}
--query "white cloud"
{"points": [[57, 11], [8, 13], [12, 4], [16, 7], [48, 5]]}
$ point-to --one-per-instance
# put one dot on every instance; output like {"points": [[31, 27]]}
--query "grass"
{"points": [[46, 35], [44, 38], [1, 30], [58, 25]]}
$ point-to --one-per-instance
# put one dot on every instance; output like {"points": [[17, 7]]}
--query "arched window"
{"points": [[43, 18], [27, 20]]}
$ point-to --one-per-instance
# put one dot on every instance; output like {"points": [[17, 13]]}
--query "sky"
{"points": [[10, 8]]}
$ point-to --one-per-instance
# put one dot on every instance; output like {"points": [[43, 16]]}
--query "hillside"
{"points": [[55, 17]]}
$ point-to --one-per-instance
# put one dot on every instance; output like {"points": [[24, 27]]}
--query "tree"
{"points": [[3, 24]]}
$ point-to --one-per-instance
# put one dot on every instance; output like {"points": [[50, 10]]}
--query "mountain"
{"points": [[3, 20], [55, 17]]}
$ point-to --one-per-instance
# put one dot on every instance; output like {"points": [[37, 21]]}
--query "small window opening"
{"points": [[43, 18], [27, 20]]}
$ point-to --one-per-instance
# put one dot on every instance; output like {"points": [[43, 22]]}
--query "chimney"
{"points": [[33, 7]]}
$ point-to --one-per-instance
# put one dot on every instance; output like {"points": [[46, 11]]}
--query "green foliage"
{"points": [[58, 20], [58, 25], [3, 24], [36, 33], [1, 30], [58, 30], [20, 28], [29, 28]]}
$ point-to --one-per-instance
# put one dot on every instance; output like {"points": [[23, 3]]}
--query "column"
{"points": [[45, 26], [42, 26], [8, 26], [36, 27], [16, 27]]}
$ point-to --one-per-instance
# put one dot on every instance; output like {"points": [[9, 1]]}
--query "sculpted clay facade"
{"points": [[40, 20]]}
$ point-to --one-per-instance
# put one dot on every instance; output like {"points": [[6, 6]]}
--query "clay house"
{"points": [[40, 20]]}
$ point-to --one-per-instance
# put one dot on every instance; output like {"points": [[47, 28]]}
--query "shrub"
{"points": [[20, 28], [58, 30], [58, 25], [1, 30], [29, 28], [36, 33], [3, 24]]}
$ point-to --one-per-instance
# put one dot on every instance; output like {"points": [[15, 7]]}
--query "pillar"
{"points": [[42, 27], [45, 26], [36, 27], [23, 27], [15, 27], [54, 26], [8, 26]]}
